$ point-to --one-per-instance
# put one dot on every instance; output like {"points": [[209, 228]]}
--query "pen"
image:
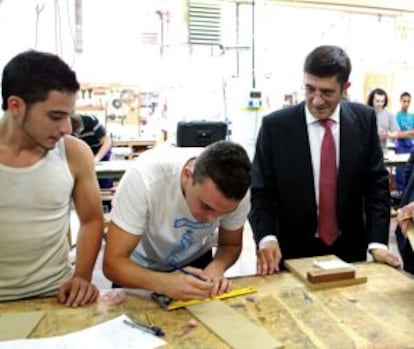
{"points": [[154, 330], [149, 320], [176, 267]]}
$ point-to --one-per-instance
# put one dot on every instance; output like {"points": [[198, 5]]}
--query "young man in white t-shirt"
{"points": [[166, 214]]}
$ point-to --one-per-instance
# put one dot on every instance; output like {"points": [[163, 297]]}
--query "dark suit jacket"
{"points": [[282, 189], [404, 245]]}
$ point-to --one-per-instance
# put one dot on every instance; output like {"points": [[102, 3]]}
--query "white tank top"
{"points": [[34, 221]]}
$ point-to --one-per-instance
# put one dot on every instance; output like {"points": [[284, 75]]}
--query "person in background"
{"points": [[319, 185], [378, 99], [404, 137], [165, 217], [405, 120], [90, 130], [42, 171]]}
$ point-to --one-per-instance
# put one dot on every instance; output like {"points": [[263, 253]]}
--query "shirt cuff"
{"points": [[374, 245], [266, 239]]}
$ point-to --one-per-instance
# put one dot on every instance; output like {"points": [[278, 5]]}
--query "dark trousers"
{"points": [[314, 247], [406, 252], [203, 261], [106, 183], [400, 181]]}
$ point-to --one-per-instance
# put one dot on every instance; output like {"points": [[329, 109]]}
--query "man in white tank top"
{"points": [[42, 170]]}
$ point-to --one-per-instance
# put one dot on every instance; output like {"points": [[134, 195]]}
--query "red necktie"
{"points": [[328, 228]]}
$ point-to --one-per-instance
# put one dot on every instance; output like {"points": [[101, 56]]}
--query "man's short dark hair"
{"points": [[327, 60], [227, 165], [31, 75], [378, 92], [405, 94]]}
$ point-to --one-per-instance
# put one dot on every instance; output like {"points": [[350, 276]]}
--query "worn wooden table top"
{"points": [[378, 314]]}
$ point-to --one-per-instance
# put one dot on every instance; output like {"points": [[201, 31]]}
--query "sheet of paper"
{"points": [[331, 264], [110, 334]]}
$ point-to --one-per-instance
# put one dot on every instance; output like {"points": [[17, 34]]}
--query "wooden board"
{"points": [[18, 325], [301, 266], [316, 276], [236, 330]]}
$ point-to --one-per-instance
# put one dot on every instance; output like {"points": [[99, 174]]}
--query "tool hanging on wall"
{"points": [[116, 103]]}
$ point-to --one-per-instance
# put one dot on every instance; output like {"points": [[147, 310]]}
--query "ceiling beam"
{"points": [[377, 6]]}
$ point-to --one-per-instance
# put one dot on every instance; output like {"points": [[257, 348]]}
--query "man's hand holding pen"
{"points": [[187, 283], [194, 283]]}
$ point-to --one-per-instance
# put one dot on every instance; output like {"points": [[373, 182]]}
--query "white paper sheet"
{"points": [[332, 264], [111, 334]]}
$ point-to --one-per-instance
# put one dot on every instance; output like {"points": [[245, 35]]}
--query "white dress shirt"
{"points": [[316, 132]]}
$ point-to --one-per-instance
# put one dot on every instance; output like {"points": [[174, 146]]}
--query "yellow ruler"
{"points": [[233, 293]]}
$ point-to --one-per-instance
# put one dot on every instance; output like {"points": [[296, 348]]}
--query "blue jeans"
{"points": [[400, 181], [106, 183]]}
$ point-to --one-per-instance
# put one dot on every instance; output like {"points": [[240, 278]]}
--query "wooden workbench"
{"points": [[136, 146], [378, 314], [112, 169]]}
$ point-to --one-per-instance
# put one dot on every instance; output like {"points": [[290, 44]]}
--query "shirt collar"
{"points": [[310, 119]]}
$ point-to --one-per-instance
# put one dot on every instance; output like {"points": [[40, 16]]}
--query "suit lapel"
{"points": [[302, 161], [349, 135]]}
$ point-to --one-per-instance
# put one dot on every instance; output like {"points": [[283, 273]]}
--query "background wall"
{"points": [[144, 43]]}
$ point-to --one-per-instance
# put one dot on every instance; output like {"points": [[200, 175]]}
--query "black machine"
{"points": [[200, 133]]}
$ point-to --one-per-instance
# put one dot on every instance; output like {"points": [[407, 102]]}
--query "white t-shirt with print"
{"points": [[149, 202]]}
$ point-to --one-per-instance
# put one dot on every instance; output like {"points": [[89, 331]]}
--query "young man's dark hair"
{"points": [[405, 94], [378, 92], [227, 165], [328, 60], [31, 75]]}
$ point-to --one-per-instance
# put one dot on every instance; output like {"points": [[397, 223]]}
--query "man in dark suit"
{"points": [[405, 214], [286, 215]]}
